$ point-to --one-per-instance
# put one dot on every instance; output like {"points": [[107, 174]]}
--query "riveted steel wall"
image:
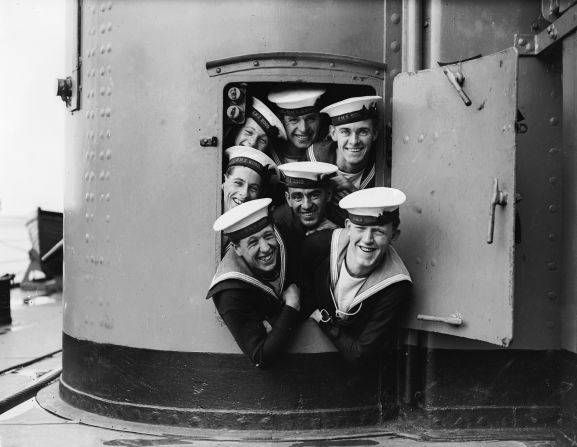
{"points": [[141, 192]]}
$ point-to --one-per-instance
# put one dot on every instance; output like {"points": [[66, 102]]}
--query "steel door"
{"points": [[456, 164]]}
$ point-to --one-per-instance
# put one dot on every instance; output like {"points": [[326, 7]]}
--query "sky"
{"points": [[32, 51]]}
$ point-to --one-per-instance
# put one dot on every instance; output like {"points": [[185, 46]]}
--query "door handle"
{"points": [[498, 198], [453, 320]]}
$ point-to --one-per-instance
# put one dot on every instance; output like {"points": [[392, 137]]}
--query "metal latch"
{"points": [[497, 198], [454, 320], [457, 80], [64, 89]]}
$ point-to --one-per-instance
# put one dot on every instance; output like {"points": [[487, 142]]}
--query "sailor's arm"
{"points": [[238, 308]]}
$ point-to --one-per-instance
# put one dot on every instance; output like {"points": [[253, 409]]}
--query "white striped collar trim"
{"points": [[369, 177], [254, 281], [311, 153]]}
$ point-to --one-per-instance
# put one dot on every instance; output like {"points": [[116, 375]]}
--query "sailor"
{"points": [[355, 279], [308, 191], [261, 130], [252, 289], [353, 131], [299, 112], [249, 172]]}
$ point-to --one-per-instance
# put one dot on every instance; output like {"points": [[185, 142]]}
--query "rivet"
{"points": [[101, 197], [92, 259], [102, 71], [553, 180], [552, 208], [101, 155], [108, 154], [553, 151], [102, 91], [435, 136], [101, 176], [255, 63], [109, 69], [552, 237], [521, 41], [173, 419], [553, 120], [534, 26], [109, 27], [87, 237], [87, 197], [102, 29], [107, 218], [377, 72], [395, 18], [108, 91], [108, 133], [108, 48], [154, 415], [218, 70], [395, 46], [433, 262], [102, 49], [103, 7], [394, 72], [406, 139], [420, 138], [552, 266], [108, 111], [294, 63], [101, 260], [86, 176], [87, 155], [332, 65], [418, 260], [107, 197], [552, 295], [107, 175], [265, 421], [109, 5], [87, 115]]}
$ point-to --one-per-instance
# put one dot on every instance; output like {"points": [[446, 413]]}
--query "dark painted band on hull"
{"points": [[214, 390]]}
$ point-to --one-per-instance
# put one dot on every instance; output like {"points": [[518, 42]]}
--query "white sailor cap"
{"points": [[266, 119], [254, 159], [296, 102], [373, 206], [351, 110], [245, 219], [307, 174]]}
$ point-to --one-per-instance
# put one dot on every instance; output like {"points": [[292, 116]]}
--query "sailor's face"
{"points": [[302, 130], [354, 141], [260, 250], [240, 185], [252, 135], [309, 205], [368, 245]]}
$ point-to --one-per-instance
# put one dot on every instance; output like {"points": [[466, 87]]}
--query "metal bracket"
{"points": [[534, 44], [259, 61]]}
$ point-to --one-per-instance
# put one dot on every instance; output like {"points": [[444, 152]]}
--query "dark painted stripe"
{"points": [[221, 390]]}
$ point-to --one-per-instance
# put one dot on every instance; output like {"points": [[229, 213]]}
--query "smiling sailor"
{"points": [[252, 289], [249, 173], [353, 131], [299, 112], [262, 129], [356, 280]]}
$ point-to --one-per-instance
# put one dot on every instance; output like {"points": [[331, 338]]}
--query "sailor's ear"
{"points": [[396, 235]]}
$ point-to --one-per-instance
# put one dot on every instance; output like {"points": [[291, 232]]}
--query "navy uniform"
{"points": [[347, 112], [360, 314], [306, 176], [250, 304], [294, 102]]}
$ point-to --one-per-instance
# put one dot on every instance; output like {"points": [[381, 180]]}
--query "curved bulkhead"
{"points": [[141, 342]]}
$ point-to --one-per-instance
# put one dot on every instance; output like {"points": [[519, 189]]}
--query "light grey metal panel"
{"points": [[142, 193], [446, 157]]}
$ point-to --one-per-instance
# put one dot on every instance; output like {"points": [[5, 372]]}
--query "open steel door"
{"points": [[454, 136]]}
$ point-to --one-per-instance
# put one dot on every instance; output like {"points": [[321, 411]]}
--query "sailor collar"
{"points": [[366, 178], [233, 266], [391, 271]]}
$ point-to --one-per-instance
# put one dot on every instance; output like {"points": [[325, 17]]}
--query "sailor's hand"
{"points": [[341, 187], [316, 315], [291, 297]]}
